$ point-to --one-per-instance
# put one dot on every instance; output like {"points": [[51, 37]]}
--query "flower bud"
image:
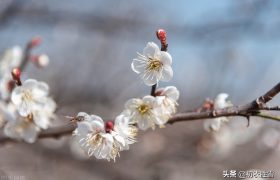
{"points": [[16, 76], [109, 126], [43, 60], [161, 35], [35, 41], [16, 73]]}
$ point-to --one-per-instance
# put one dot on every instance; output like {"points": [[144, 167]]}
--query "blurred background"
{"points": [[217, 46]]}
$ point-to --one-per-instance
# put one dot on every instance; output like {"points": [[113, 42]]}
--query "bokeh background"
{"points": [[217, 46]]}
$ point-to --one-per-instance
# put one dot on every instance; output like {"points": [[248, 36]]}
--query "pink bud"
{"points": [[16, 73], [36, 41], [161, 35]]}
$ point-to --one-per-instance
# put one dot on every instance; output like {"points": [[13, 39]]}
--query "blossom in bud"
{"points": [[109, 125], [161, 35], [16, 73], [43, 60], [216, 123], [35, 41], [153, 65]]}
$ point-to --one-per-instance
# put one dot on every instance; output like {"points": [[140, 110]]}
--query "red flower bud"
{"points": [[16, 76], [36, 41], [109, 126], [16, 73], [161, 35]]}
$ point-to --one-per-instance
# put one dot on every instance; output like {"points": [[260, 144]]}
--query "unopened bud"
{"points": [[43, 60], [36, 41], [16, 73], [109, 126], [161, 35]]}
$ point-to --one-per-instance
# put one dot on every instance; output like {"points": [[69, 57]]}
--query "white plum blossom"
{"points": [[104, 141], [219, 103], [27, 128], [169, 102], [22, 128], [153, 65], [30, 97], [10, 59], [31, 111], [124, 128], [146, 112]]}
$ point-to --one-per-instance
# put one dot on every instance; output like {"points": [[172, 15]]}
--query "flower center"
{"points": [[95, 140], [154, 64], [143, 109], [27, 96]]}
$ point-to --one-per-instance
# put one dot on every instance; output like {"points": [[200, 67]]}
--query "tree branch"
{"points": [[247, 110]]}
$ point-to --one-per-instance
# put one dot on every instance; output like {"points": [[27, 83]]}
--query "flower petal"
{"points": [[171, 92], [167, 73], [143, 124], [138, 65], [165, 58], [151, 49]]}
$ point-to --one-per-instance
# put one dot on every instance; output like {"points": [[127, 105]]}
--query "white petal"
{"points": [[150, 78], [172, 92], [143, 124], [30, 135], [41, 90], [16, 96], [167, 73], [131, 104], [41, 119], [24, 109], [84, 128], [151, 49], [149, 100], [165, 58], [138, 66]]}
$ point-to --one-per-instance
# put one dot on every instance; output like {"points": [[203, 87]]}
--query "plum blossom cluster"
{"points": [[105, 140], [25, 108]]}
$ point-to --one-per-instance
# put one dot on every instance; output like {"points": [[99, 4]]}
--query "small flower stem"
{"points": [[153, 90], [164, 46], [26, 56]]}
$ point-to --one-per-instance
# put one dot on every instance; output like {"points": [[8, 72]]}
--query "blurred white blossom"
{"points": [[30, 111], [10, 59], [31, 96], [153, 65], [22, 128], [219, 103]]}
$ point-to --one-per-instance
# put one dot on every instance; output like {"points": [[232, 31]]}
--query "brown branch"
{"points": [[247, 110]]}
